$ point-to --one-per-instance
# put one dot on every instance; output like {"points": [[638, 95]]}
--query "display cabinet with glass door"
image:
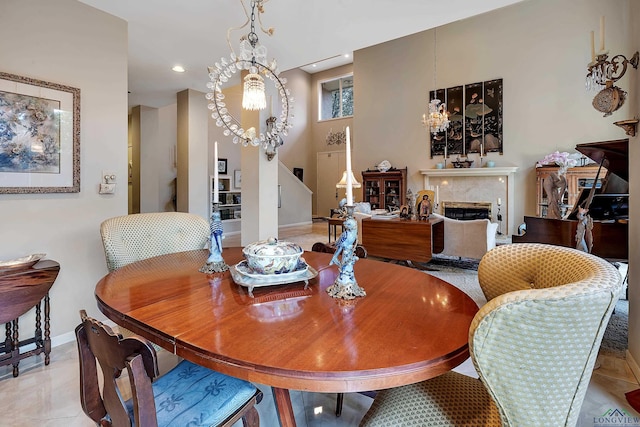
{"points": [[385, 190]]}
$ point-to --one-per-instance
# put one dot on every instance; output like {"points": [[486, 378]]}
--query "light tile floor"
{"points": [[48, 395]]}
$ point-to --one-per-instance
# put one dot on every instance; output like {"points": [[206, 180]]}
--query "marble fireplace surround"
{"points": [[476, 185]]}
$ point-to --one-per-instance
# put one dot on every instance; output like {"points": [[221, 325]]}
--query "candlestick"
{"points": [[349, 182], [602, 34], [593, 47], [499, 201], [445, 152], [216, 196], [437, 194]]}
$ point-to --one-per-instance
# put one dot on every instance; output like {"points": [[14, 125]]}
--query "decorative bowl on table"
{"points": [[273, 256], [462, 163]]}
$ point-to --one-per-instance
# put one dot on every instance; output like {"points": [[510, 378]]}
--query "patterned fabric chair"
{"points": [[187, 395], [534, 345], [131, 238]]}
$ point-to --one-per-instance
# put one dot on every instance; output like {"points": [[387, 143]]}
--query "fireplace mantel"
{"points": [[506, 174], [497, 171]]}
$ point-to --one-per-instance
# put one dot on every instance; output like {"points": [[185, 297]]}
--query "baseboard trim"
{"points": [[67, 337], [633, 365], [297, 224]]}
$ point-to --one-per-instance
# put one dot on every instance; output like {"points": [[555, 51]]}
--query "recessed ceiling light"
{"points": [[178, 69], [346, 55], [314, 65]]}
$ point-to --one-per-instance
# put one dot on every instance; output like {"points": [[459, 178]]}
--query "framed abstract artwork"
{"points": [[39, 136]]}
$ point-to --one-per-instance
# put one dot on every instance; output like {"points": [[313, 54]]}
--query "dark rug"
{"points": [[615, 339], [442, 263]]}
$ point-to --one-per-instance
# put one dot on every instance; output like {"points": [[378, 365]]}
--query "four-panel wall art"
{"points": [[475, 114]]}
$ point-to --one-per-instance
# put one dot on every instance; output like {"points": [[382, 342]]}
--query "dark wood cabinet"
{"points": [[384, 189]]}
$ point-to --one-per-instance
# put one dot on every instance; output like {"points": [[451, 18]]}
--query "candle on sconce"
{"points": [[593, 47], [437, 194], [602, 34], [499, 201], [216, 196], [349, 183]]}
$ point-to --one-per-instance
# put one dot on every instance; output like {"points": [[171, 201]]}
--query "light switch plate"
{"points": [[107, 188]]}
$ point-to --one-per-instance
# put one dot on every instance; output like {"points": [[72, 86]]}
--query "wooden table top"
{"points": [[22, 288], [410, 326]]}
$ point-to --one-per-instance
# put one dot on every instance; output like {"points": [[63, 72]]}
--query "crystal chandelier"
{"points": [[253, 58], [438, 119]]}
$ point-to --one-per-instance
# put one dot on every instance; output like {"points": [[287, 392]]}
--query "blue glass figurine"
{"points": [[215, 262], [346, 286]]}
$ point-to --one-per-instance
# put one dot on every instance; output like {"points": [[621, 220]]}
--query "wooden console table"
{"points": [[21, 289], [403, 239], [334, 223]]}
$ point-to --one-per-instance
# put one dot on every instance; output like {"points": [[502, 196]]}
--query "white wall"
{"points": [[69, 43], [157, 158], [634, 199], [540, 48]]}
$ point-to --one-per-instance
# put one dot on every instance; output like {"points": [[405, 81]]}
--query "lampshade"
{"points": [[343, 181]]}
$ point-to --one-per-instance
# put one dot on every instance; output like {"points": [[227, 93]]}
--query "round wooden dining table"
{"points": [[408, 328]]}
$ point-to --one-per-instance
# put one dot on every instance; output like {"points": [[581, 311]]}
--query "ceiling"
{"points": [[164, 33]]}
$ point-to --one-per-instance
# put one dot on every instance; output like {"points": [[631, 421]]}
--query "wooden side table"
{"points": [[21, 289], [333, 223]]}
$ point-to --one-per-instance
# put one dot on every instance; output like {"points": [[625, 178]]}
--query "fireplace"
{"points": [[467, 210], [476, 185]]}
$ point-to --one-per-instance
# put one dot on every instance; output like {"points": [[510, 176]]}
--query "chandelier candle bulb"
{"points": [[349, 183], [216, 197]]}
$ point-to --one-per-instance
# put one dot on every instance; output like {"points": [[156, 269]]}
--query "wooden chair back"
{"points": [[115, 354]]}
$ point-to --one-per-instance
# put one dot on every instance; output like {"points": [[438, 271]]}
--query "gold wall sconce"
{"points": [[603, 72]]}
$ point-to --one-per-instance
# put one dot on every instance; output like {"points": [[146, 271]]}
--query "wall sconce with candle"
{"points": [[603, 72]]}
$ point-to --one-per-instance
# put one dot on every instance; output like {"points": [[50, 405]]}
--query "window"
{"points": [[336, 98]]}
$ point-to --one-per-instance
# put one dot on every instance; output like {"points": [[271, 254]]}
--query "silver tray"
{"points": [[272, 279]]}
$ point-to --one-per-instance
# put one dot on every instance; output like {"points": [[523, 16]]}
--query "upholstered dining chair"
{"points": [[135, 237], [131, 238], [187, 394], [533, 345]]}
